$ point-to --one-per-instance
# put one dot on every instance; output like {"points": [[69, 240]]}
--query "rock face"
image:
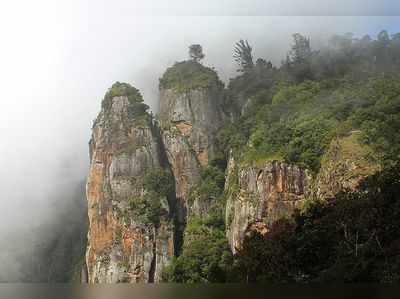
{"points": [[258, 196], [345, 164], [189, 121], [131, 236], [124, 245]]}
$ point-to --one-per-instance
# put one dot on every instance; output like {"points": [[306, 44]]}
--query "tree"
{"points": [[383, 38], [299, 63], [301, 49], [242, 55], [262, 63], [196, 52]]}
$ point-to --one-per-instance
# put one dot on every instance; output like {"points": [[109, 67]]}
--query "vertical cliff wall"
{"points": [[130, 235], [260, 195], [140, 176], [344, 165], [190, 116]]}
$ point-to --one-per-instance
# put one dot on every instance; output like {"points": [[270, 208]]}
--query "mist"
{"points": [[58, 60]]}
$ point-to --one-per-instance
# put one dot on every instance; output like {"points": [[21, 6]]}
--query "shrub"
{"points": [[135, 98], [188, 75]]}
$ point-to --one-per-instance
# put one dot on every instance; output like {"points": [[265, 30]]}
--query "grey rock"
{"points": [[260, 196]]}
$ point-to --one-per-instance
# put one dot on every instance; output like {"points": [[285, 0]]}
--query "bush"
{"points": [[188, 75], [152, 204], [205, 258], [135, 98]]}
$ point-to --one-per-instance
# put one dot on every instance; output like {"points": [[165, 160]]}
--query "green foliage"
{"points": [[298, 63], [243, 57], [267, 258], [188, 75], [152, 204], [296, 94], [205, 258], [148, 207], [380, 122], [301, 120], [124, 89], [196, 52], [211, 185], [159, 181], [352, 238]]}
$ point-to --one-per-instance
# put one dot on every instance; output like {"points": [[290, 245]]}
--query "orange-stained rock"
{"points": [[189, 122], [260, 195], [122, 246]]}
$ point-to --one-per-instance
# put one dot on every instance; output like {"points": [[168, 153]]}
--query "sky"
{"points": [[59, 57]]}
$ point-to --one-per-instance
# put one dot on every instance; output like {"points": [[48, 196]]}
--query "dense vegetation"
{"points": [[205, 256], [136, 109], [294, 112], [151, 205], [354, 237], [187, 75], [300, 120]]}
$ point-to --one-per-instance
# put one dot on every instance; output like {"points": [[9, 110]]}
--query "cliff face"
{"points": [[147, 180], [190, 121], [140, 177], [196, 116], [260, 195], [344, 165], [126, 242]]}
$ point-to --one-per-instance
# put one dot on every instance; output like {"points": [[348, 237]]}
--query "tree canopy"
{"points": [[243, 56], [196, 52]]}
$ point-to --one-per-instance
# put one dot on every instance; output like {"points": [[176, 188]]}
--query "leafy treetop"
{"points": [[242, 55], [196, 52]]}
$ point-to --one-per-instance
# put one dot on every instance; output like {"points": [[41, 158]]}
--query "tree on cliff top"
{"points": [[298, 61], [301, 49], [243, 56], [196, 52]]}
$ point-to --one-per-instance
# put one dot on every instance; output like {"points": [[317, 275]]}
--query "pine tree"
{"points": [[196, 52], [243, 56]]}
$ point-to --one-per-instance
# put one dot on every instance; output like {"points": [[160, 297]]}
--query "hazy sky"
{"points": [[59, 57]]}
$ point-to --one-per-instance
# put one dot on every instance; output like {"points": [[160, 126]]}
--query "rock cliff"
{"points": [[130, 235], [148, 178], [260, 195], [140, 175], [190, 116], [344, 165]]}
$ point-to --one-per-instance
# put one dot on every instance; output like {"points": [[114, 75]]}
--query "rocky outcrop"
{"points": [[190, 121], [260, 195], [125, 244], [345, 164]]}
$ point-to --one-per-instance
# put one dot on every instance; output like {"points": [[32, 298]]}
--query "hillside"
{"points": [[288, 174]]}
